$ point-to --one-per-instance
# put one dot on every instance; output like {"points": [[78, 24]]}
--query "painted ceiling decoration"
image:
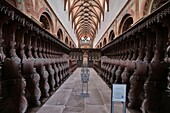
{"points": [[86, 16]]}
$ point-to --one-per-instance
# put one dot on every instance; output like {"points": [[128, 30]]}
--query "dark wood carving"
{"points": [[113, 70], [51, 72], [27, 70], [56, 76], [44, 86], [157, 80], [14, 83], [166, 98], [32, 80], [139, 77], [148, 87]]}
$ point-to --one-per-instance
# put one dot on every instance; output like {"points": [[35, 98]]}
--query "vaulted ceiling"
{"points": [[86, 16]]}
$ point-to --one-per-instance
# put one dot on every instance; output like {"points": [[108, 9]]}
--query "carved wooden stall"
{"points": [[92, 55], [72, 65], [33, 62], [97, 66], [140, 58]]}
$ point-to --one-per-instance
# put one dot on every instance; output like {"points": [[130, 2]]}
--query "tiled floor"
{"points": [[68, 98]]}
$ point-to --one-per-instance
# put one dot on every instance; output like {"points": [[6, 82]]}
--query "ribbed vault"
{"points": [[86, 16]]}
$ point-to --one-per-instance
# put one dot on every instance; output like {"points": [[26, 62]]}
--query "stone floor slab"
{"points": [[51, 109], [70, 109], [95, 109], [59, 98], [94, 98], [75, 100]]}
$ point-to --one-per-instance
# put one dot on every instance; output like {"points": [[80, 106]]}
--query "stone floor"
{"points": [[68, 98]]}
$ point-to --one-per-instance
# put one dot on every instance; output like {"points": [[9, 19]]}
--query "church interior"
{"points": [[45, 44]]}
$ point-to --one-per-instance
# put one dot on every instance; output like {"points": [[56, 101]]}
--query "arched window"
{"points": [[100, 44], [60, 34], [104, 41], [111, 35], [70, 43], [126, 23], [66, 40], [46, 22]]}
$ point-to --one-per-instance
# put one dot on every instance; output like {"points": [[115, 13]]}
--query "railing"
{"points": [[97, 66], [34, 62], [139, 58], [72, 65]]}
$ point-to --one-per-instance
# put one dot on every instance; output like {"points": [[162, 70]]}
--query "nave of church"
{"points": [[45, 45], [69, 99]]}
